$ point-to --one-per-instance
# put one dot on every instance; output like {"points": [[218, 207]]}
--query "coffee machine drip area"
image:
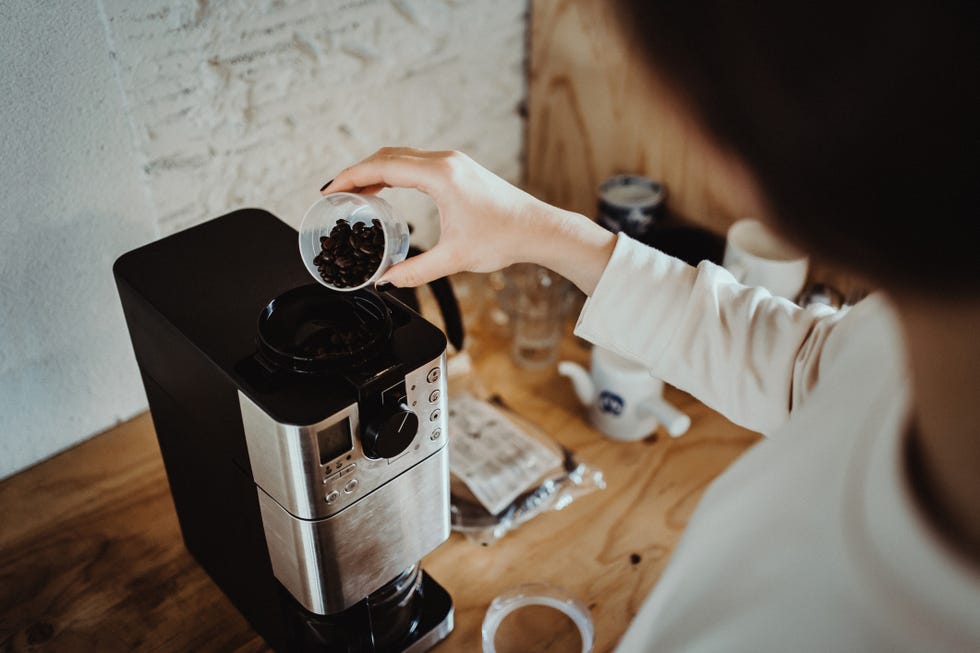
{"points": [[303, 431]]}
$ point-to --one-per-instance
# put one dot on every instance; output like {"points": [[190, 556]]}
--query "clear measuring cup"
{"points": [[322, 217]]}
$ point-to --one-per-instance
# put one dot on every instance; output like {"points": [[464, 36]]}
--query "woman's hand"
{"points": [[486, 223]]}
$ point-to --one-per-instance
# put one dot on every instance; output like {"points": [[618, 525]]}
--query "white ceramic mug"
{"points": [[623, 400], [757, 257]]}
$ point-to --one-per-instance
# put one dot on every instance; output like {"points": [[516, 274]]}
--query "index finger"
{"points": [[389, 167]]}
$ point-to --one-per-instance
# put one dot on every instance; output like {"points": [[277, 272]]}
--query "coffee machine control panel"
{"points": [[317, 470], [408, 426]]}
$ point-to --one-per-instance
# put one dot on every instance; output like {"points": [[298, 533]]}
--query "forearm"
{"points": [[741, 351]]}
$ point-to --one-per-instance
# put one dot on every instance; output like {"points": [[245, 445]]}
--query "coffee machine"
{"points": [[303, 432]]}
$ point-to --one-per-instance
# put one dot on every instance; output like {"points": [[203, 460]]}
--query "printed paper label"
{"points": [[495, 458]]}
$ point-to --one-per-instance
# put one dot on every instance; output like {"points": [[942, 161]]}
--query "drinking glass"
{"points": [[537, 302]]}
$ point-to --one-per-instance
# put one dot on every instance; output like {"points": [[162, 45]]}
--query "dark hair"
{"points": [[859, 120]]}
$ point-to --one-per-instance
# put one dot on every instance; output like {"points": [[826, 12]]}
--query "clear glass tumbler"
{"points": [[537, 305]]}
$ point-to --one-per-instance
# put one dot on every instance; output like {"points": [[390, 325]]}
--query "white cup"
{"points": [[757, 257], [623, 400]]}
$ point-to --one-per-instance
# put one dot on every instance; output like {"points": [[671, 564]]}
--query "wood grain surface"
{"points": [[594, 111], [91, 557]]}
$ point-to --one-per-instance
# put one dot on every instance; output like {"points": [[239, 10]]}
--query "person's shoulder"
{"points": [[867, 334], [874, 313]]}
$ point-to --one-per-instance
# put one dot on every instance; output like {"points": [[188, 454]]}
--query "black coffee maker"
{"points": [[303, 432]]}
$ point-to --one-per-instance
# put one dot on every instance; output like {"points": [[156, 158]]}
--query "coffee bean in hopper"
{"points": [[351, 253]]}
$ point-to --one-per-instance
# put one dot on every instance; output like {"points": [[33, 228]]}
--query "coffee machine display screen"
{"points": [[334, 441]]}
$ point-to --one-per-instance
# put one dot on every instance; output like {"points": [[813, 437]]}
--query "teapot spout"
{"points": [[676, 422], [581, 381]]}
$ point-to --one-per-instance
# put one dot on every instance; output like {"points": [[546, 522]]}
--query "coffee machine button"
{"points": [[434, 396], [350, 469], [351, 486], [433, 375], [331, 496], [434, 415], [436, 433]]}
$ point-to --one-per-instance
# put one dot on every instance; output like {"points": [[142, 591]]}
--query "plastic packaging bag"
{"points": [[504, 470]]}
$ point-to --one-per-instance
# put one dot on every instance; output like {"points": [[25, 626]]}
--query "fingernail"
{"points": [[383, 285], [324, 187]]}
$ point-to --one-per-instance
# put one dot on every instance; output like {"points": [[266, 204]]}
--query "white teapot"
{"points": [[625, 402]]}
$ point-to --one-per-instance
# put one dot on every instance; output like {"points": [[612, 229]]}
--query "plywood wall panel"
{"points": [[595, 112]]}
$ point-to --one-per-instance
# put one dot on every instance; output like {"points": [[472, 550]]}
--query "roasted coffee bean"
{"points": [[351, 253]]}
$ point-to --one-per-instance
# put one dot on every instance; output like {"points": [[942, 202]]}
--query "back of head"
{"points": [[859, 120]]}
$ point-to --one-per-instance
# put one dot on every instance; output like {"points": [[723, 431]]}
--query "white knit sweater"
{"points": [[811, 540]]}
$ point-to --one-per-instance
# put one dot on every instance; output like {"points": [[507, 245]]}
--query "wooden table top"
{"points": [[91, 556]]}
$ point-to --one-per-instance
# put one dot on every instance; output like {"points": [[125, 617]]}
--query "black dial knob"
{"points": [[390, 434]]}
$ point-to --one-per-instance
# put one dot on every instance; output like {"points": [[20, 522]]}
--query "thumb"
{"points": [[419, 269]]}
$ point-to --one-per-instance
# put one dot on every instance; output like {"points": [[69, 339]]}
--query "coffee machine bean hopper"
{"points": [[303, 433]]}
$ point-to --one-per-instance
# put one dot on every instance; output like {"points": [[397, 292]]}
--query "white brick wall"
{"points": [[264, 101], [128, 120]]}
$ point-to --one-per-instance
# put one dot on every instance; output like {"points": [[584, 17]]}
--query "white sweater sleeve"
{"points": [[749, 355]]}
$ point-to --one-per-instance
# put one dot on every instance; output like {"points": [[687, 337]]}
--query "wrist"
{"points": [[571, 245]]}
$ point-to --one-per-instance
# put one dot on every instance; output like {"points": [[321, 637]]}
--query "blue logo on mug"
{"points": [[611, 403]]}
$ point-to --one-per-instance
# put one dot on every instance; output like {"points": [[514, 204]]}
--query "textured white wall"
{"points": [[124, 121], [71, 200], [267, 100]]}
